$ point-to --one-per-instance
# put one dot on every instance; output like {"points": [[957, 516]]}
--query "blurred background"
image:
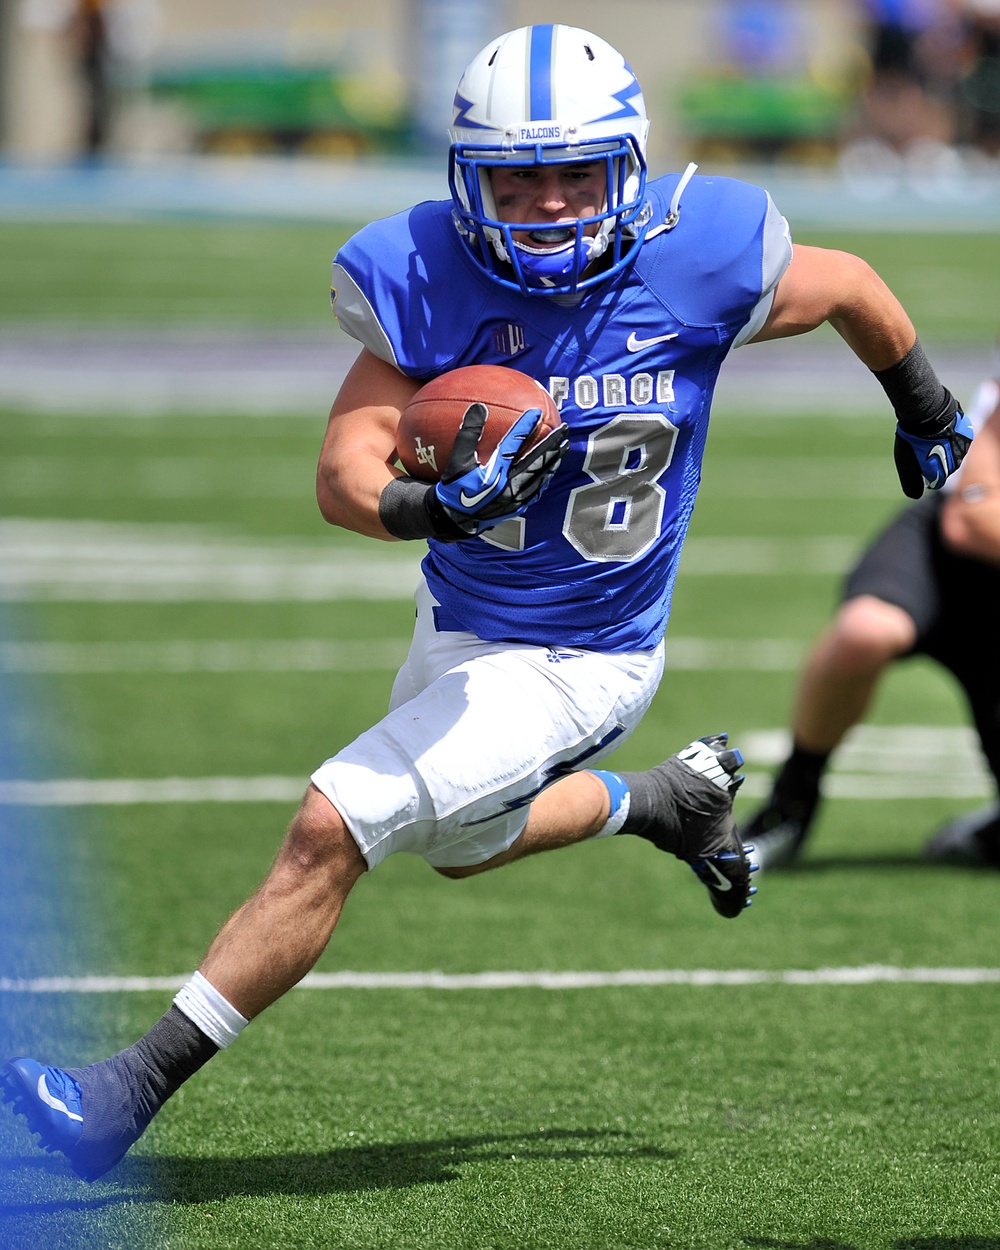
{"points": [[883, 95]]}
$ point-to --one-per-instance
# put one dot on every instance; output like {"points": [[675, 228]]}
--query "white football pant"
{"points": [[475, 730]]}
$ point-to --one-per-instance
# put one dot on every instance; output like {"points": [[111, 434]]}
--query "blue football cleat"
{"points": [[727, 879], [91, 1115], [48, 1098]]}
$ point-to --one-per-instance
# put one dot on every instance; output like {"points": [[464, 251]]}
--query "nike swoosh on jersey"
{"points": [[637, 345], [55, 1103]]}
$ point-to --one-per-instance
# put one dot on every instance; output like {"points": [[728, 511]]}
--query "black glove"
{"points": [[933, 433], [929, 461], [477, 496], [493, 492]]}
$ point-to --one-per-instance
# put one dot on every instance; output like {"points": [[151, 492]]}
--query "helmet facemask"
{"points": [[556, 258]]}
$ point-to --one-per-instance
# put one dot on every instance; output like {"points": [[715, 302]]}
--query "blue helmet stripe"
{"points": [[540, 107]]}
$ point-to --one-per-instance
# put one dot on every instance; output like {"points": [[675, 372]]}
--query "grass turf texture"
{"points": [[176, 273], [601, 1119], [798, 1118], [168, 273]]}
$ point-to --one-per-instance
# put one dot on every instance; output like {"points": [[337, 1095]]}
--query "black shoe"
{"points": [[972, 841], [780, 828], [684, 806], [721, 862]]}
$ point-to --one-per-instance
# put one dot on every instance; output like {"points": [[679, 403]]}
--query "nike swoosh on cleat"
{"points": [[637, 345], [722, 882], [55, 1103]]}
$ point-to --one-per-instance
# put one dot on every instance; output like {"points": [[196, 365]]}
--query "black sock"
{"points": [[678, 810], [158, 1064], [173, 1049], [799, 778], [652, 809], [122, 1094]]}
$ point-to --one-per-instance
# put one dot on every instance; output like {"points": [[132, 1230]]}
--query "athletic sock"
{"points": [[173, 1050], [217, 1018], [122, 1094], [653, 811], [677, 809], [799, 778], [198, 1025]]}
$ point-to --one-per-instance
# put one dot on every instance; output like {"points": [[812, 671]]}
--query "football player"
{"points": [[928, 585], [547, 581]]}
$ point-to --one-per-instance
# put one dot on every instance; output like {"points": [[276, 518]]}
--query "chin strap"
{"points": [[674, 212]]}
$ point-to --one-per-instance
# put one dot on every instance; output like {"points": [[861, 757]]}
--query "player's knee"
{"points": [[869, 633], [317, 839]]}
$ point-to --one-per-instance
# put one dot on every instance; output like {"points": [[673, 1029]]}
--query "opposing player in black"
{"points": [[928, 585]]}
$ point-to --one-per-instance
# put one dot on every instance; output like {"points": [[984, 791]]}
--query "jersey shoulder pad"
{"points": [[397, 285], [729, 247]]}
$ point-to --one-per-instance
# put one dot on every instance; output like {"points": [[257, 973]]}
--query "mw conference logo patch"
{"points": [[508, 340]]}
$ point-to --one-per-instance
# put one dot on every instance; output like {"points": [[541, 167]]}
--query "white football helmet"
{"points": [[549, 95]]}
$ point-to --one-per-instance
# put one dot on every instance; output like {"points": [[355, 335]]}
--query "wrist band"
{"points": [[923, 406], [410, 509]]}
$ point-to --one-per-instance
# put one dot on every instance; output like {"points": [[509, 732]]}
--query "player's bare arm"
{"points": [[970, 520], [356, 459], [933, 435], [823, 285], [358, 462]]}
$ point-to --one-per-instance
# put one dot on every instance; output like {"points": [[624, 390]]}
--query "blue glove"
{"points": [[930, 462], [478, 496]]}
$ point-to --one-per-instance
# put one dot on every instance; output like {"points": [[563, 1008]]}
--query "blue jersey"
{"points": [[631, 366]]}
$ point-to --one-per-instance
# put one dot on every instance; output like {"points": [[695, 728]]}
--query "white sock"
{"points": [[204, 1006]]}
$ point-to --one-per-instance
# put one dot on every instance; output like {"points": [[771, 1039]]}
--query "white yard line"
{"points": [[874, 762], [87, 792], [224, 656], [871, 974], [94, 561], [119, 792], [149, 371], [292, 477]]}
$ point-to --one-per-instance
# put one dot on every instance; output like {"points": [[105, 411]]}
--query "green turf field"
{"points": [[780, 1114]]}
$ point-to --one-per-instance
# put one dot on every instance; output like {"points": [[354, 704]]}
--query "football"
{"points": [[431, 420]]}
